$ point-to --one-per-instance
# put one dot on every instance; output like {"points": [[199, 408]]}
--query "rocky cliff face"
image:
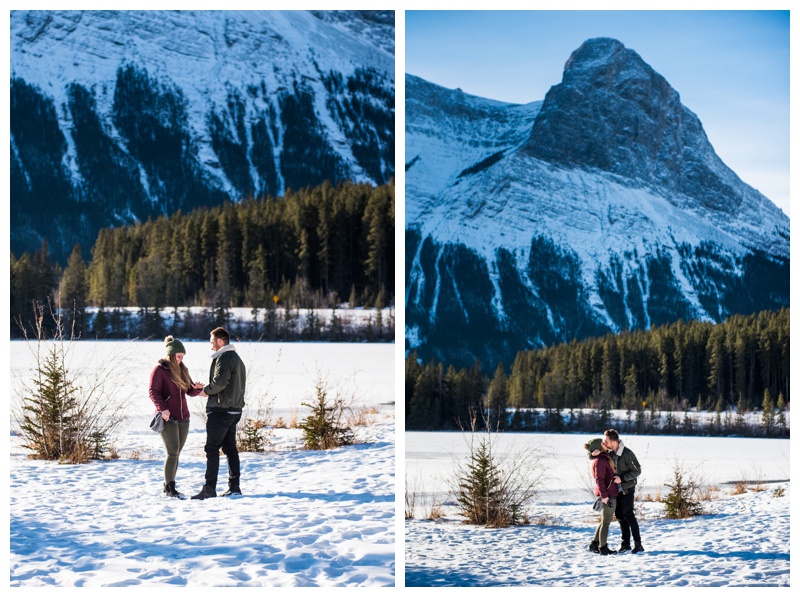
{"points": [[602, 208], [613, 112], [117, 116]]}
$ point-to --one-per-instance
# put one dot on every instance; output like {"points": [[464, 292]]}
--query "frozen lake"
{"points": [[283, 373], [430, 458]]}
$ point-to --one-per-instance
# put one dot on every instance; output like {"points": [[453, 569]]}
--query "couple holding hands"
{"points": [[170, 383]]}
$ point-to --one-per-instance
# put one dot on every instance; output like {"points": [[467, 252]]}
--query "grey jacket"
{"points": [[227, 382]]}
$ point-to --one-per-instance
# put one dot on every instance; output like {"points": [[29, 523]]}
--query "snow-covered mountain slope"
{"points": [[121, 115], [603, 208]]}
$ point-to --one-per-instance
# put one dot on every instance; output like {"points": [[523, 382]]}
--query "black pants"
{"points": [[221, 433], [626, 517]]}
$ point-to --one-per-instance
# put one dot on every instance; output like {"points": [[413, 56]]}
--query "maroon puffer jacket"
{"points": [[603, 472], [166, 395]]}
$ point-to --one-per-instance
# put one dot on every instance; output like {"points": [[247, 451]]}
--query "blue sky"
{"points": [[731, 68]]}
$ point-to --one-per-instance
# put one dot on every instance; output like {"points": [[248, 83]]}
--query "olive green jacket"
{"points": [[628, 467], [227, 381]]}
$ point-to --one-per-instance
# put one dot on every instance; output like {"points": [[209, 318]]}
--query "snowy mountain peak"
{"points": [[605, 208], [613, 112], [600, 53]]}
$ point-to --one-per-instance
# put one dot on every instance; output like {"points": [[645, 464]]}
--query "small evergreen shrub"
{"points": [[480, 493], [252, 436], [681, 501], [50, 421], [57, 418], [494, 489], [324, 428]]}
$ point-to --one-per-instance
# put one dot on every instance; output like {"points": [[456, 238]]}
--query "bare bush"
{"points": [[586, 477], [362, 416], [655, 497], [411, 497], [739, 487], [708, 493], [255, 432], [435, 511]]}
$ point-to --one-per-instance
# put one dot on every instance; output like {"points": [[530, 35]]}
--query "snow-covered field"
{"points": [[743, 540], [305, 519]]}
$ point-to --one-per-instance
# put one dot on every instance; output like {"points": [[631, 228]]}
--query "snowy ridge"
{"points": [[232, 87], [611, 177], [448, 131], [203, 52]]}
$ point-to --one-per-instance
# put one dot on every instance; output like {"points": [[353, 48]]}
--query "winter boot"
{"points": [[233, 487], [604, 551], [637, 547], [170, 491], [206, 492], [626, 546], [594, 547]]}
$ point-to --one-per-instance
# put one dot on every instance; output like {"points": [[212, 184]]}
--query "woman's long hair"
{"points": [[179, 373]]}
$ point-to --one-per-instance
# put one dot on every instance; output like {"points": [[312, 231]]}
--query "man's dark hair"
{"points": [[612, 435], [221, 334]]}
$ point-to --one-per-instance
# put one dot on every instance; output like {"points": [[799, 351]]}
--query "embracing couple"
{"points": [[170, 383], [615, 469]]}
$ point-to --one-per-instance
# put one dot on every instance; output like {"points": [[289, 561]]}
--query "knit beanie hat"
{"points": [[173, 346], [595, 444]]}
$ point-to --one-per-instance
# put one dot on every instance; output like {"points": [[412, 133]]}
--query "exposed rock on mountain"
{"points": [[117, 116], [602, 208]]}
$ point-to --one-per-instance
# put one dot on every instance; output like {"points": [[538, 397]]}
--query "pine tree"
{"points": [[324, 428], [767, 413], [781, 418], [681, 502], [741, 409], [74, 289], [479, 496], [50, 422], [22, 295], [497, 399]]}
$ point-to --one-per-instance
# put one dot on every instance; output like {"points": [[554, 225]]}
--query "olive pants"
{"points": [[601, 532], [174, 436]]}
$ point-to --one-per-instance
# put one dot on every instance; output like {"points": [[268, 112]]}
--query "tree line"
{"points": [[314, 248], [740, 365]]}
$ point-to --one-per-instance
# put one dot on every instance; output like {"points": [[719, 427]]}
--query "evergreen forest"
{"points": [[311, 249], [725, 370]]}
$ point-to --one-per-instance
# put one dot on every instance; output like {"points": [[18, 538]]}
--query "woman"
{"points": [[604, 486], [170, 382]]}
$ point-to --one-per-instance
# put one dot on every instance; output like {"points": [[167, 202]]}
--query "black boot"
{"points": [[637, 547], [206, 492], [594, 547], [604, 551], [170, 491], [233, 487], [626, 546]]}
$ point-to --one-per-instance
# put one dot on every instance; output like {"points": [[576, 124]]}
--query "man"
{"points": [[628, 469], [225, 392]]}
